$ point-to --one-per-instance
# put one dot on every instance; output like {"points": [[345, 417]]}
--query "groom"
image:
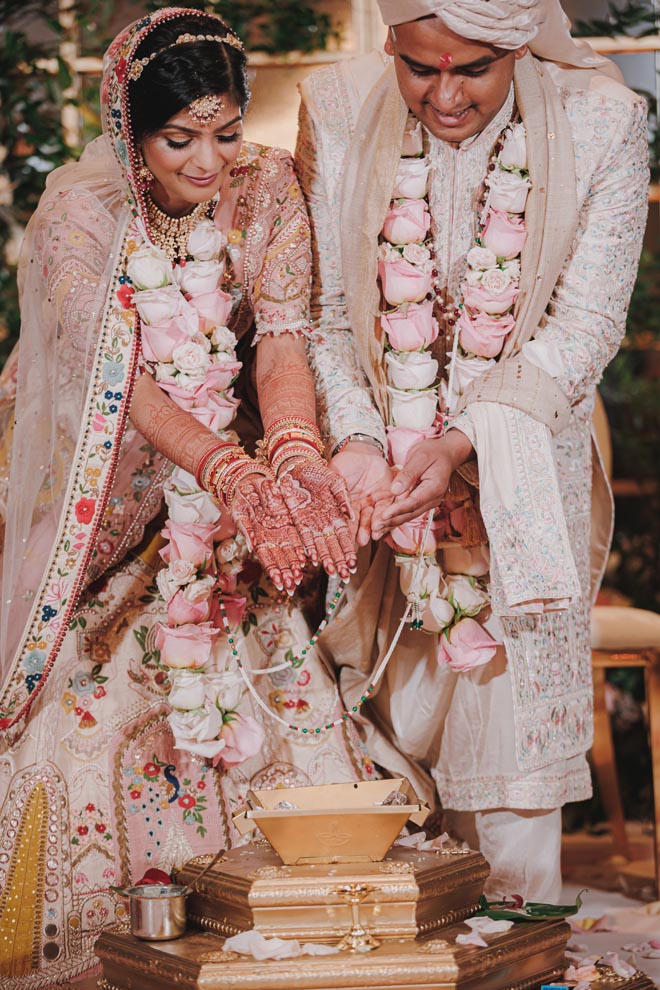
{"points": [[460, 86]]}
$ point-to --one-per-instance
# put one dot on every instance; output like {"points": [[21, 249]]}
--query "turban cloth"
{"points": [[502, 23]]}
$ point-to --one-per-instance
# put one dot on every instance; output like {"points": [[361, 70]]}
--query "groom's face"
{"points": [[455, 86]]}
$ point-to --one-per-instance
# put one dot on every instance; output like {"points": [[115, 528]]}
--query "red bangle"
{"points": [[206, 457]]}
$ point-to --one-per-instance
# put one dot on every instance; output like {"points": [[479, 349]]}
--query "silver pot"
{"points": [[158, 912]]}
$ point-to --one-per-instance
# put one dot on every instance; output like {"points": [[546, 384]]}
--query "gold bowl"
{"points": [[332, 823]]}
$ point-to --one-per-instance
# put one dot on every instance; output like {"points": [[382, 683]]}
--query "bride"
{"points": [[163, 485]]}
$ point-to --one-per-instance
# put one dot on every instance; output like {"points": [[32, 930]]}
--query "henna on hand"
{"points": [[261, 513], [320, 507]]}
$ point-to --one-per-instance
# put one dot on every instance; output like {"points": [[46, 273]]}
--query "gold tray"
{"points": [[520, 959], [332, 823], [411, 893]]}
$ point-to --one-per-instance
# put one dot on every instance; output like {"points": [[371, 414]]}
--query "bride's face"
{"points": [[189, 160]]}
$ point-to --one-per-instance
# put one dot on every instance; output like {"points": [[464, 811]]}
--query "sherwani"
{"points": [[512, 734]]}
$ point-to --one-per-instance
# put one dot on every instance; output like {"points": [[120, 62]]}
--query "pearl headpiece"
{"points": [[140, 64]]}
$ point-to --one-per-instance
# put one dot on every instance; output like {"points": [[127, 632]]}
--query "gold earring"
{"points": [[144, 176]]}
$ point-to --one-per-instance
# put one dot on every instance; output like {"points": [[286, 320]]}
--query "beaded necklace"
{"points": [[171, 233], [296, 662]]}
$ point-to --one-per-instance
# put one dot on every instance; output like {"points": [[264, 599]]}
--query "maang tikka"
{"points": [[206, 108]]}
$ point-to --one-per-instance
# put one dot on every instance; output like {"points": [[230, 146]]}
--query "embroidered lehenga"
{"points": [[92, 790]]}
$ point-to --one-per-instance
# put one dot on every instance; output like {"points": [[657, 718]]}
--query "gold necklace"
{"points": [[171, 234]]}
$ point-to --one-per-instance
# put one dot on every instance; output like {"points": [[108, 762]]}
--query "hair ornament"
{"points": [[206, 108], [139, 64]]}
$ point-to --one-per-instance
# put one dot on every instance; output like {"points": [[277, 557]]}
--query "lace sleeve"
{"points": [[282, 288], [71, 242]]}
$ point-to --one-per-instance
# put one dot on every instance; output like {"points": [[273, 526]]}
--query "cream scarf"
{"points": [[551, 219]]}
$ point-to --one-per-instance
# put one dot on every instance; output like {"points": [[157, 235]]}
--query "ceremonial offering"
{"points": [[410, 893], [335, 823]]}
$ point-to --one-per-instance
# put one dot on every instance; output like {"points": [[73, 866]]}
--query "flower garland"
{"points": [[191, 353], [482, 321]]}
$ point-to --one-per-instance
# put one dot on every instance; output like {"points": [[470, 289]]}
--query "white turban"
{"points": [[503, 23], [540, 24]]}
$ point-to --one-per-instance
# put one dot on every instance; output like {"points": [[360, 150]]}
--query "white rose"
{"points": [[199, 591], [467, 369], [224, 340], [388, 253], [481, 258], [466, 560], [512, 268], [164, 371], [413, 140], [411, 369], [473, 276], [160, 305], [429, 577], [196, 731], [416, 254], [411, 179], [187, 504], [226, 688], [170, 579], [149, 268], [182, 571], [188, 689], [415, 410], [191, 359], [206, 241], [437, 613], [197, 277], [496, 280], [466, 593], [514, 150], [508, 191]]}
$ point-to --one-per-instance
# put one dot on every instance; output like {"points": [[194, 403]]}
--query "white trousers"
{"points": [[523, 849]]}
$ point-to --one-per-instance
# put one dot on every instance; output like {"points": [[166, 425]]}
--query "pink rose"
{"points": [[504, 235], [412, 330], [479, 297], [160, 339], [243, 738], [186, 646], [189, 541], [216, 410], [407, 223], [213, 308], [411, 179], [234, 606], [400, 440], [408, 537], [482, 334], [180, 611], [466, 646], [402, 282]]}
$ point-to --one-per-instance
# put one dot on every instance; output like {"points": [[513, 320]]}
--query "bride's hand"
{"points": [[260, 512], [318, 501]]}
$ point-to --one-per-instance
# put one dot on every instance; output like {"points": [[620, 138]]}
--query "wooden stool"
{"points": [[625, 637]]}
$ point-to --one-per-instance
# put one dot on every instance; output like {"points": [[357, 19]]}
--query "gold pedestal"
{"points": [[520, 959], [409, 894]]}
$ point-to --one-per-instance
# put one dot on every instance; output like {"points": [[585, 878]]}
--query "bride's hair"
{"points": [[182, 73]]}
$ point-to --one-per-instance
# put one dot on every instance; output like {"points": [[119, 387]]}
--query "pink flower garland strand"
{"points": [[192, 355], [483, 320]]}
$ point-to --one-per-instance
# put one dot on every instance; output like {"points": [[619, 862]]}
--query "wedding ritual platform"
{"points": [[324, 872]]}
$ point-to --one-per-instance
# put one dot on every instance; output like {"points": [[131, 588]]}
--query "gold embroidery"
{"points": [[21, 907]]}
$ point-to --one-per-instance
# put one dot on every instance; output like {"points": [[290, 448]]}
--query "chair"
{"points": [[623, 637]]}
